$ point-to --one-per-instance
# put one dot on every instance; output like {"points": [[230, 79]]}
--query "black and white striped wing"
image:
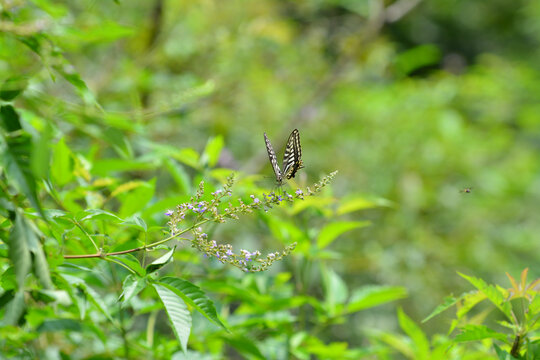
{"points": [[273, 159], [292, 159]]}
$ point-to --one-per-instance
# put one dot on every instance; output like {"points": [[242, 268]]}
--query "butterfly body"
{"points": [[292, 161]]}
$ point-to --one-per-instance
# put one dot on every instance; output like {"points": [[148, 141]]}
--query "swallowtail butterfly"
{"points": [[292, 161]]}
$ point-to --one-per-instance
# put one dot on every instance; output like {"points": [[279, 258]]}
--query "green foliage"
{"points": [[121, 123], [519, 305]]}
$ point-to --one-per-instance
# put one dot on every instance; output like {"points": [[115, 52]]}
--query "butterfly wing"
{"points": [[273, 159], [292, 159]]}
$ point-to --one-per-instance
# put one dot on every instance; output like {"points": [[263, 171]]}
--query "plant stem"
{"points": [[101, 254]]}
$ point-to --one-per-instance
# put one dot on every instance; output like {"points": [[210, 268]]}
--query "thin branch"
{"points": [[101, 254]]}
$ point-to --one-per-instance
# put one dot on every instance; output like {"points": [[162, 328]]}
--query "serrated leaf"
{"points": [[492, 293], [19, 253], [419, 339], [331, 231], [447, 303], [62, 164], [478, 332], [177, 312], [470, 300], [212, 151], [160, 262], [371, 296], [194, 296]]}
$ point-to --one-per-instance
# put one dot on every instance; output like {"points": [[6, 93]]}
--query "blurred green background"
{"points": [[411, 101]]}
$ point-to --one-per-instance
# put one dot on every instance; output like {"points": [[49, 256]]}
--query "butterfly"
{"points": [[466, 190], [292, 161]]}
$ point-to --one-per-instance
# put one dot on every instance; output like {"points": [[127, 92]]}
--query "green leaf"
{"points": [[395, 341], [501, 354], [179, 175], [33, 42], [119, 141], [98, 214], [534, 305], [8, 280], [419, 339], [194, 296], [96, 299], [189, 157], [331, 231], [62, 164], [137, 222], [335, 289], [177, 312], [137, 199], [492, 293], [19, 253], [107, 167], [210, 155], [470, 300], [448, 303], [41, 266], [9, 119], [41, 153], [355, 204], [58, 296], [12, 87], [65, 69], [14, 309], [417, 57], [478, 332], [16, 160], [55, 10], [161, 261], [244, 345], [53, 325], [104, 31], [371, 296], [131, 262], [131, 286]]}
